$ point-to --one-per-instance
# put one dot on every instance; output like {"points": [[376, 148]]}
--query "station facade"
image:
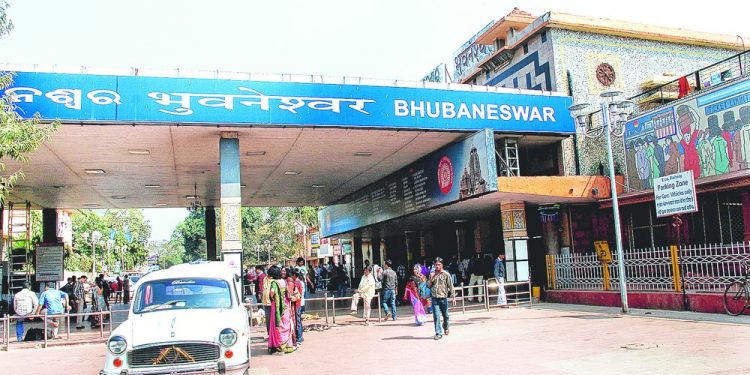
{"points": [[551, 196]]}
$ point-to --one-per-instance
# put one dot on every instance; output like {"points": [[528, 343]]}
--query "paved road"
{"points": [[545, 339]]}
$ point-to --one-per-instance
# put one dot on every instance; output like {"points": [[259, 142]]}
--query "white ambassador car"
{"points": [[185, 319]]}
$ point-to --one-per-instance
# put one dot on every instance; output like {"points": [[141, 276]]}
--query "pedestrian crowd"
{"points": [[282, 292], [78, 295]]}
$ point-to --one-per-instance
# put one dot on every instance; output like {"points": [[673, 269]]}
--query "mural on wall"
{"points": [[709, 134]]}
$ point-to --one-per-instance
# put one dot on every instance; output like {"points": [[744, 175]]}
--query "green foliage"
{"points": [[6, 25], [265, 231], [190, 235], [168, 253], [18, 136], [133, 252]]}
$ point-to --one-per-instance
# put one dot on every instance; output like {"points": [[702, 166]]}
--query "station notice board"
{"points": [[675, 194], [49, 262]]}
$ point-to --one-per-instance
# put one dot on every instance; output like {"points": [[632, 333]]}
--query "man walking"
{"points": [[390, 283], [25, 303], [54, 302], [500, 277], [80, 301], [476, 269], [441, 286]]}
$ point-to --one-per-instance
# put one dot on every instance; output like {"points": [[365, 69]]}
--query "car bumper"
{"points": [[206, 368]]}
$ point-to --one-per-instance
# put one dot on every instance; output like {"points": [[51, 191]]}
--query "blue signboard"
{"points": [[458, 171], [153, 100]]}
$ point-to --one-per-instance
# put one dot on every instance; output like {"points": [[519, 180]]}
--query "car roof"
{"points": [[203, 269]]}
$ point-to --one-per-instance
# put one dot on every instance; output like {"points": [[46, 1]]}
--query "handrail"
{"points": [[66, 316]]}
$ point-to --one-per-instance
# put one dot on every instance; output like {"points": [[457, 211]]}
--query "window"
{"points": [[544, 36], [516, 260], [515, 83], [525, 48], [187, 293]]}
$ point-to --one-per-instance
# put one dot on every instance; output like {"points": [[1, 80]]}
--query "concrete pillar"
{"points": [[211, 233], [49, 225], [231, 201]]}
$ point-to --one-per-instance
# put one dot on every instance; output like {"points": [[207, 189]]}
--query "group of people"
{"points": [[78, 295], [427, 289], [282, 292]]}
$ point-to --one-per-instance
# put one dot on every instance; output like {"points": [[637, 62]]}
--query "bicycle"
{"points": [[737, 294]]}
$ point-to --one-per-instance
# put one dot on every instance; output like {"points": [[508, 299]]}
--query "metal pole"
{"points": [[111, 320], [101, 323], [463, 298], [615, 208], [333, 308], [531, 296], [486, 295], [67, 325], [325, 301], [45, 328], [380, 316], [93, 257]]}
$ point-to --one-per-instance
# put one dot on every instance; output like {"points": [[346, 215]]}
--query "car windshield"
{"points": [[184, 293]]}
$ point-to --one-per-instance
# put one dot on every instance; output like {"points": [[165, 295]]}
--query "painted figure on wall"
{"points": [[720, 150], [744, 130], [643, 164], [633, 182], [707, 155], [672, 156], [687, 123]]}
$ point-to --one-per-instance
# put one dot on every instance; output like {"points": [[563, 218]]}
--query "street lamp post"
{"points": [[95, 236], [610, 106], [268, 248]]}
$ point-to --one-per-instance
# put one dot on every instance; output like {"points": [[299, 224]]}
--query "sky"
{"points": [[386, 39]]}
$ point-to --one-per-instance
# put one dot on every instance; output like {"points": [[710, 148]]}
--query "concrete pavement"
{"points": [[544, 339]]}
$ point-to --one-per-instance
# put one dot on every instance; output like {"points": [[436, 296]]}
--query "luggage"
{"points": [[34, 334]]}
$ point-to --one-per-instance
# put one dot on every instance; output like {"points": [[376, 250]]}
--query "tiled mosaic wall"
{"points": [[634, 61]]}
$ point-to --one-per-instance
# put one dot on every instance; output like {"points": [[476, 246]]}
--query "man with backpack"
{"points": [[25, 303]]}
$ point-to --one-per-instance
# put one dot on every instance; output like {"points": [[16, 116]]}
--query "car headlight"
{"points": [[227, 337], [117, 345]]}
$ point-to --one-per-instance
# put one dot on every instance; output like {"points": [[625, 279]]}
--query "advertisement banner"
{"points": [[49, 263], [458, 171], [708, 135], [83, 98]]}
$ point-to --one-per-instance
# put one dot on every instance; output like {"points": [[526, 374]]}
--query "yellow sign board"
{"points": [[602, 251]]}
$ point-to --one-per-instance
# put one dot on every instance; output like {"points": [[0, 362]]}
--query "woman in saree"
{"points": [[293, 295], [411, 293], [280, 324]]}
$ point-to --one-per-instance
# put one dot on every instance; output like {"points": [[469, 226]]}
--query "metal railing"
{"points": [[63, 321], [723, 71], [701, 268], [517, 294]]}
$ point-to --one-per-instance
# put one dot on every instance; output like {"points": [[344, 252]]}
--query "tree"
{"points": [[265, 231], [167, 253], [18, 136], [6, 25], [190, 234], [130, 232]]}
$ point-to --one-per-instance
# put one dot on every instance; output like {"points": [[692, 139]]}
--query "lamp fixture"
{"points": [[139, 152], [94, 171], [291, 173], [152, 186], [195, 204], [318, 186], [160, 204], [255, 153], [363, 153]]}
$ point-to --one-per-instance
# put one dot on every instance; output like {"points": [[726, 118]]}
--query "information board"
{"points": [[458, 171], [675, 194], [49, 263]]}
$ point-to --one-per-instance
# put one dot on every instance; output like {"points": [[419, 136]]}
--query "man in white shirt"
{"points": [[25, 303]]}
